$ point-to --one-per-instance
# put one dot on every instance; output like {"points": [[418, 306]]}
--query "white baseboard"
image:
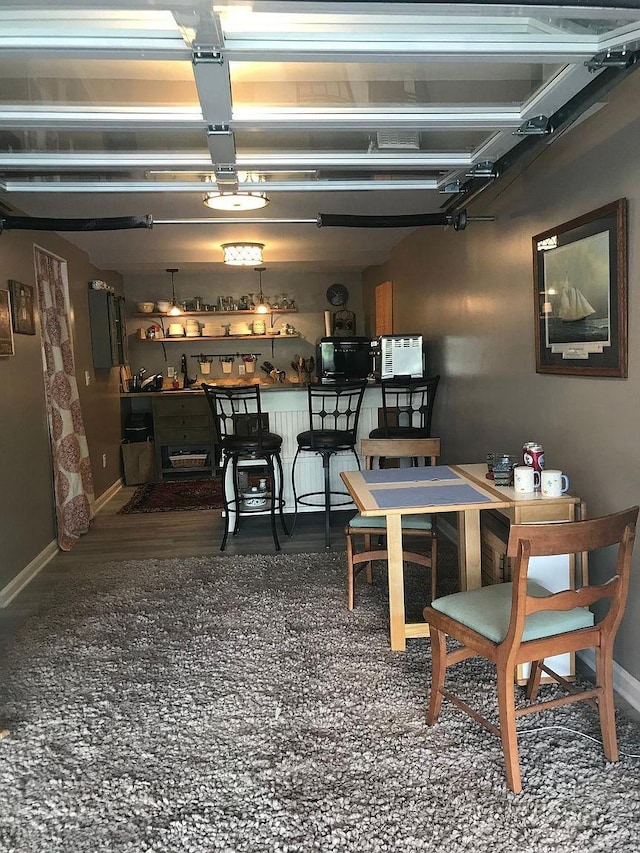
{"points": [[105, 497], [15, 586], [623, 682], [23, 578]]}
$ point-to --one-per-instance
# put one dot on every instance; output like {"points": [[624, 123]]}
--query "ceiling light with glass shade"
{"points": [[242, 254], [244, 199], [235, 201]]}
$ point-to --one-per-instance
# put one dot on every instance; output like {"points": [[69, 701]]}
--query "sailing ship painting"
{"points": [[573, 305], [576, 302]]}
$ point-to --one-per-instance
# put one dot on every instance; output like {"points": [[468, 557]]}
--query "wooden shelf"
{"points": [[183, 339], [176, 317]]}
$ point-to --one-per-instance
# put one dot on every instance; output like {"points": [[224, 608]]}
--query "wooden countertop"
{"points": [[265, 385]]}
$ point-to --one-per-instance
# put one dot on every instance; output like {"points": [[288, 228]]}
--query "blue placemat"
{"points": [[426, 496], [419, 474]]}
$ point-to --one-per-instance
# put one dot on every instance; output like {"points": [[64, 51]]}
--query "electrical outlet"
{"points": [[87, 378], [104, 460], [241, 370]]}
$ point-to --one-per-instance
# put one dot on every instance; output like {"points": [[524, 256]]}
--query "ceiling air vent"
{"points": [[405, 140]]}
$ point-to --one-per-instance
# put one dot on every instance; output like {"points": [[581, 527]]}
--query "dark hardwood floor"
{"points": [[158, 535]]}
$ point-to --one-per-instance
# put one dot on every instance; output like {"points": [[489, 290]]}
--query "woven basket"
{"points": [[188, 460]]}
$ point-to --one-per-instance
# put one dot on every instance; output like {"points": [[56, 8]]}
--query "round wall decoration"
{"points": [[337, 294]]}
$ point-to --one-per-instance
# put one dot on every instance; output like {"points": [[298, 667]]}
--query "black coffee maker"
{"points": [[343, 358]]}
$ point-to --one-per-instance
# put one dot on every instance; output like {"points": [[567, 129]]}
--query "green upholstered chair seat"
{"points": [[487, 611], [409, 522]]}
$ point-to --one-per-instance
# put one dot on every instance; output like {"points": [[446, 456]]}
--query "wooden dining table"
{"points": [[463, 489]]}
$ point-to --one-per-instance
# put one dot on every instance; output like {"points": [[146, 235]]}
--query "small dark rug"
{"points": [[176, 496]]}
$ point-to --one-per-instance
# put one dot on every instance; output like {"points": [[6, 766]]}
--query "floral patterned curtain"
{"points": [[73, 482]]}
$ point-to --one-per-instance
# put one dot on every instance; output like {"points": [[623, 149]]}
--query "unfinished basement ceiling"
{"points": [[131, 108]]}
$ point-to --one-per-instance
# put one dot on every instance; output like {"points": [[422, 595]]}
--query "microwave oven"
{"points": [[341, 358]]}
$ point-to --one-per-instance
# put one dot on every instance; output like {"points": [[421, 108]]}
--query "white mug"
{"points": [[525, 478], [553, 484]]}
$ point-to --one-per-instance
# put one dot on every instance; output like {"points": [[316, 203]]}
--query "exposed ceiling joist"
{"points": [[365, 108]]}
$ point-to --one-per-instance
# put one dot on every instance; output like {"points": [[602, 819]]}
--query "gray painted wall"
{"points": [[471, 294], [27, 517]]}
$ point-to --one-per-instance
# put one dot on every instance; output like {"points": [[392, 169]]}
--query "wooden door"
{"points": [[384, 308]]}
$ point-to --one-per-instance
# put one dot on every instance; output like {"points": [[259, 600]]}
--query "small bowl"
{"points": [[254, 503], [163, 306], [145, 307], [254, 498]]}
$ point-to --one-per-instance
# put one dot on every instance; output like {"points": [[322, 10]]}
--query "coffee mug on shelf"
{"points": [[525, 479], [553, 484]]}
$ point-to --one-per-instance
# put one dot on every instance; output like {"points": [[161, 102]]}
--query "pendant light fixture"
{"points": [[262, 306], [175, 309], [242, 254]]}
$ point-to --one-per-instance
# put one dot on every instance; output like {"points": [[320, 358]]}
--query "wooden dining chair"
{"points": [[415, 525], [521, 621]]}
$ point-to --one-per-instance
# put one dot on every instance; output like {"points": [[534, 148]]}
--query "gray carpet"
{"points": [[233, 704]]}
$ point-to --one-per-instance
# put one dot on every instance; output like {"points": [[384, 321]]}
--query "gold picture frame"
{"points": [[22, 308], [6, 328]]}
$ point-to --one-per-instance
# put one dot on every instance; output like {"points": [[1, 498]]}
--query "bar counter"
{"points": [[181, 420]]}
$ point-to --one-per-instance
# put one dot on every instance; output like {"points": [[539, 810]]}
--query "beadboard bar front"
{"points": [[288, 413]]}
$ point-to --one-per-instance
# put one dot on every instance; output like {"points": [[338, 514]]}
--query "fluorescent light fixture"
{"points": [[235, 200], [242, 254]]}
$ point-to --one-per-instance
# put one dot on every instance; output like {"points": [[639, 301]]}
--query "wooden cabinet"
{"points": [[494, 533], [182, 424], [108, 329]]}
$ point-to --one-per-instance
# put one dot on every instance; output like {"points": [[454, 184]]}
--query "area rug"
{"points": [[234, 704], [176, 496]]}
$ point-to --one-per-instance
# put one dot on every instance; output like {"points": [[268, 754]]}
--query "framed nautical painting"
{"points": [[580, 294]]}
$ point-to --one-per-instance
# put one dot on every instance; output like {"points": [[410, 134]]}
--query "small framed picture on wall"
{"points": [[22, 308], [6, 330]]}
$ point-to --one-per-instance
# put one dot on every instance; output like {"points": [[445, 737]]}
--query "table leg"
{"points": [[469, 550], [396, 583]]}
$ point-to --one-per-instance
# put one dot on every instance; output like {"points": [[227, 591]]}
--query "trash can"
{"points": [[138, 426]]}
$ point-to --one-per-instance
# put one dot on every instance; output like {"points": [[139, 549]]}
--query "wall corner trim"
{"points": [[23, 578]]}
